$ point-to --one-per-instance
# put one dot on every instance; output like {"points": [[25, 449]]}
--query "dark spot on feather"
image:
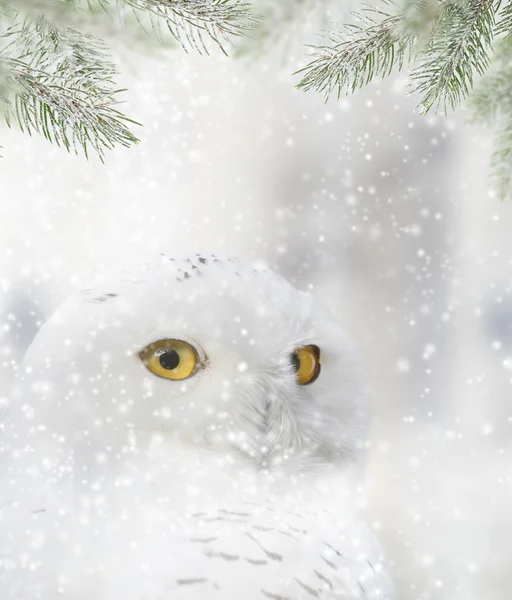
{"points": [[104, 297], [254, 561], [324, 578], [328, 562], [224, 519], [271, 555], [288, 534], [309, 590], [261, 528], [223, 555], [303, 531], [274, 596], [336, 551], [190, 581], [236, 514]]}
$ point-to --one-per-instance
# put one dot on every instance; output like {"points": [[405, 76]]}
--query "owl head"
{"points": [[198, 352]]}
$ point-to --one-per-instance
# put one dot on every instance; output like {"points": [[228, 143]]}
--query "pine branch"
{"points": [[450, 40], [505, 24], [451, 43], [491, 104], [357, 54], [493, 96], [459, 47], [502, 160], [59, 82], [280, 27], [190, 22]]}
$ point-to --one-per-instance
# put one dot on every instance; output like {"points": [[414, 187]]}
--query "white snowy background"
{"points": [[385, 215]]}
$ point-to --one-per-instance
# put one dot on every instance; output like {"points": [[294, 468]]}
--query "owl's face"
{"points": [[200, 352]]}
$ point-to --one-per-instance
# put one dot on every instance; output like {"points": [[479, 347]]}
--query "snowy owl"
{"points": [[188, 431]]}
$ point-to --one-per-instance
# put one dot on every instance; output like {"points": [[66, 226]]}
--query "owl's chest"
{"points": [[234, 549], [157, 531]]}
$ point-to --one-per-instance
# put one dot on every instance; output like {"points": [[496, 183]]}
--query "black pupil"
{"points": [[169, 359], [295, 360]]}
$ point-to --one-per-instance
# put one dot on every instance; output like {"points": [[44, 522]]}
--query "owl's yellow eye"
{"points": [[171, 359], [306, 363]]}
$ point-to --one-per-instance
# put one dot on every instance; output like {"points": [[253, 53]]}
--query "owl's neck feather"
{"points": [[193, 476], [231, 472]]}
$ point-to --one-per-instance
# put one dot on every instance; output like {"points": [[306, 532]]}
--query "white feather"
{"points": [[235, 483]]}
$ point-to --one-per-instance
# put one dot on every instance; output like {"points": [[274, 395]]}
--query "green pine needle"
{"points": [[58, 80], [59, 83], [450, 44], [193, 22], [505, 25], [458, 48], [491, 104], [356, 55]]}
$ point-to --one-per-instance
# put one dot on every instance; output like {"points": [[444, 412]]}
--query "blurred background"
{"points": [[383, 214]]}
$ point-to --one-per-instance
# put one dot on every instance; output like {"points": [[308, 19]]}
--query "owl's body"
{"points": [[123, 476]]}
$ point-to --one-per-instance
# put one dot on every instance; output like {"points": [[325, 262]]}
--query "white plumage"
{"points": [[192, 430]]}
